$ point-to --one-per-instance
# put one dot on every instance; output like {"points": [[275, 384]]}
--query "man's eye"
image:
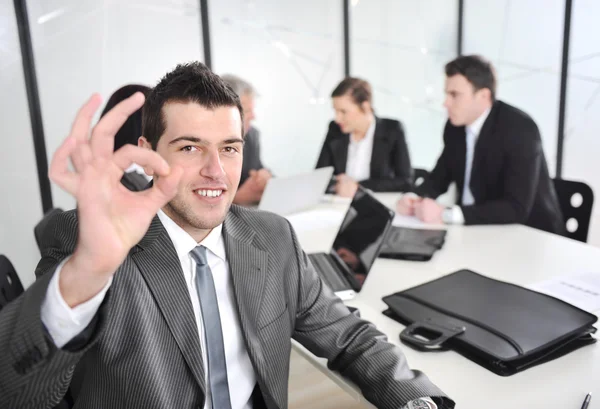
{"points": [[230, 149], [188, 148]]}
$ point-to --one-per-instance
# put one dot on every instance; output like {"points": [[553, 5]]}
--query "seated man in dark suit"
{"points": [[254, 175], [362, 148], [493, 152]]}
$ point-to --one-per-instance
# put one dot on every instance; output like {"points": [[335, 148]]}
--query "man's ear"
{"points": [[143, 143]]}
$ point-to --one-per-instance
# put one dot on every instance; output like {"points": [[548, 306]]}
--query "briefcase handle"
{"points": [[417, 335]]}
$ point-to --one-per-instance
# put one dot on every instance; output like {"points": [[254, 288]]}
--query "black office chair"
{"points": [[10, 285], [420, 176], [39, 228], [576, 200]]}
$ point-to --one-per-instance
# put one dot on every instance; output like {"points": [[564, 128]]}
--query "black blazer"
{"points": [[509, 177], [390, 161]]}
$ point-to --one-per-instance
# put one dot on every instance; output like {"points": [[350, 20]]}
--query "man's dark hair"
{"points": [[358, 89], [476, 69], [132, 128], [191, 82]]}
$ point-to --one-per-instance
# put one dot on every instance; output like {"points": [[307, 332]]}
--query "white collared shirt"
{"points": [[358, 163], [134, 167], [64, 323], [472, 131]]}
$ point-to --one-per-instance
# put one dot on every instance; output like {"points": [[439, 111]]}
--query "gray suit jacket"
{"points": [[143, 350]]}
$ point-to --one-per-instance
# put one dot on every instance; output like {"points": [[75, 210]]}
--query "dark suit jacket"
{"points": [[509, 177], [251, 154], [134, 181], [143, 349], [390, 161]]}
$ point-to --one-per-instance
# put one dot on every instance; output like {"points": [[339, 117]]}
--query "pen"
{"points": [[587, 400]]}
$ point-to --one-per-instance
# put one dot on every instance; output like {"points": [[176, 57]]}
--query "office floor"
{"points": [[309, 388]]}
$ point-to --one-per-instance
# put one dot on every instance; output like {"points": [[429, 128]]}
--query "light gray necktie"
{"points": [[467, 196], [217, 366]]}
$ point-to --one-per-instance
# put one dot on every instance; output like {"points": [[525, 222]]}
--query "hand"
{"points": [[250, 191], [261, 177], [430, 211], [406, 204], [345, 186], [112, 219]]}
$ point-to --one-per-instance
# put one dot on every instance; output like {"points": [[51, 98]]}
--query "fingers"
{"points": [[103, 135], [83, 120], [406, 205], [81, 156], [165, 187], [150, 160], [59, 172]]}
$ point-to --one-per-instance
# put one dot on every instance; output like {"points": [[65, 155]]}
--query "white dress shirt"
{"points": [[472, 131], [134, 167], [63, 323], [358, 163]]}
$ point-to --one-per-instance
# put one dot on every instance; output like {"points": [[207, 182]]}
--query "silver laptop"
{"points": [[356, 246], [286, 195]]}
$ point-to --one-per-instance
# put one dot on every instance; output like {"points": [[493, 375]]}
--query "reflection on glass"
{"points": [[360, 237]]}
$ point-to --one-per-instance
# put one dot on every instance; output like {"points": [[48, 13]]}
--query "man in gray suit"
{"points": [[254, 175], [172, 297]]}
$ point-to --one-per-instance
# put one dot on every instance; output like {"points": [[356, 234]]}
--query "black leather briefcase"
{"points": [[502, 327]]}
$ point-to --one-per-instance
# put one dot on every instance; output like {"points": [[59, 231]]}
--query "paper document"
{"points": [[581, 290], [415, 223], [315, 219]]}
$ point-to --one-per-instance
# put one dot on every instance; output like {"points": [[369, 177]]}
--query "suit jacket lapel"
{"points": [[248, 266], [339, 145], [157, 260]]}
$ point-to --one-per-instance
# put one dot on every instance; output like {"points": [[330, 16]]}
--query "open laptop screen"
{"points": [[362, 233]]}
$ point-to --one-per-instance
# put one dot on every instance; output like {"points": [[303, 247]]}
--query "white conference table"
{"points": [[512, 253]]}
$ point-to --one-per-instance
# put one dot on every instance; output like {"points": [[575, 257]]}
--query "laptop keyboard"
{"points": [[328, 271]]}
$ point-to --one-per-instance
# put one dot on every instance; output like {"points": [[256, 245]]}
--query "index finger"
{"points": [[81, 124], [103, 135]]}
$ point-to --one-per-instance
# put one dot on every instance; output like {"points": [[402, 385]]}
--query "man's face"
{"points": [[247, 101], [463, 103], [208, 145]]}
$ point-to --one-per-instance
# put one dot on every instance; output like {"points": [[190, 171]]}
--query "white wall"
{"points": [[87, 46], [292, 52], [401, 47], [20, 206]]}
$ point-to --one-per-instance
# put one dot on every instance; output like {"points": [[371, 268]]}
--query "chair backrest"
{"points": [[39, 228], [10, 284], [420, 176], [576, 200]]}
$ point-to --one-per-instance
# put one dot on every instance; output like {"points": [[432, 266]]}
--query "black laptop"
{"points": [[356, 245]]}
